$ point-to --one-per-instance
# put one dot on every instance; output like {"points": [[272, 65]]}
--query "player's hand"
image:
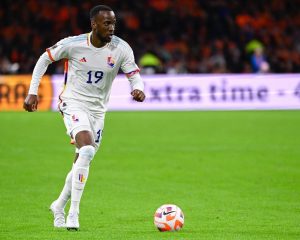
{"points": [[138, 95], [30, 103]]}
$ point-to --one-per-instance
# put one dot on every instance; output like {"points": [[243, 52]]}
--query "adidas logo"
{"points": [[82, 60]]}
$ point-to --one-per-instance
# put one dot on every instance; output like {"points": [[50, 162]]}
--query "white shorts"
{"points": [[77, 119]]}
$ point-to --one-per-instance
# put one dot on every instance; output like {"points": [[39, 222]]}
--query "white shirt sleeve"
{"points": [[131, 70], [136, 82], [38, 72], [128, 65], [59, 51]]}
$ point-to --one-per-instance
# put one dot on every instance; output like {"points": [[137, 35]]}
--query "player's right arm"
{"points": [[55, 53], [31, 101]]}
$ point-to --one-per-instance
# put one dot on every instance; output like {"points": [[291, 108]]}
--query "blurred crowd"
{"points": [[167, 36]]}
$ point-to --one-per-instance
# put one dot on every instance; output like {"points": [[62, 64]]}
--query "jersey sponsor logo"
{"points": [[111, 61], [83, 60]]}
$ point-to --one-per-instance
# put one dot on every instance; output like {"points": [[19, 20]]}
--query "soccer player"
{"points": [[92, 62]]}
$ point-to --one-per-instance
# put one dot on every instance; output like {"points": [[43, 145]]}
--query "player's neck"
{"points": [[96, 42]]}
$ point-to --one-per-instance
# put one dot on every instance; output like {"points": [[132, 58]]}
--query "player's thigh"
{"points": [[76, 120], [97, 126]]}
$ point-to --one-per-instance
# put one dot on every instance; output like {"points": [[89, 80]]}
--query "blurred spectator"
{"points": [[7, 67], [258, 61], [150, 63], [188, 36]]}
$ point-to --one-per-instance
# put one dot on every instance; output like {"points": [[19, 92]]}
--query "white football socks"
{"points": [[66, 192], [80, 175]]}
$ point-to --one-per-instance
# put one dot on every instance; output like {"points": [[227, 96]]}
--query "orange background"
{"points": [[14, 89]]}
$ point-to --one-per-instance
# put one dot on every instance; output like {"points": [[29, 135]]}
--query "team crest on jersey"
{"points": [[110, 62], [75, 118]]}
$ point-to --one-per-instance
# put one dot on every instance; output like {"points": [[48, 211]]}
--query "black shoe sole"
{"points": [[72, 229]]}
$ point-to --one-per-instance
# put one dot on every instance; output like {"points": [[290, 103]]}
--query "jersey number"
{"points": [[98, 75]]}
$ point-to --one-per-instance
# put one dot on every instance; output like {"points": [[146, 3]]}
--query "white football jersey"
{"points": [[90, 71]]}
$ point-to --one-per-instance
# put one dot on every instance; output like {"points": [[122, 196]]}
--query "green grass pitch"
{"points": [[236, 175]]}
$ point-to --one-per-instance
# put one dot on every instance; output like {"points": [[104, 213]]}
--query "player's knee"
{"points": [[87, 151]]}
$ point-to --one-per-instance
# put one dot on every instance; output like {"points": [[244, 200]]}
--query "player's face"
{"points": [[103, 25]]}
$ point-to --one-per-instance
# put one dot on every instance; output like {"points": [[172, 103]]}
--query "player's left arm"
{"points": [[132, 72], [138, 87]]}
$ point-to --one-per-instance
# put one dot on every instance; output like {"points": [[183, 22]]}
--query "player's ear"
{"points": [[93, 24]]}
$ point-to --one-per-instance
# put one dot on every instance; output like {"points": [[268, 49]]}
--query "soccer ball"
{"points": [[168, 217]]}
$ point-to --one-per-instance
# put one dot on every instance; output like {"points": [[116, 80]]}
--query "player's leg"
{"points": [[66, 191], [81, 126], [58, 206], [85, 143], [73, 118]]}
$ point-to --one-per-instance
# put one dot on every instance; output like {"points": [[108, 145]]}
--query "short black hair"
{"points": [[95, 10]]}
